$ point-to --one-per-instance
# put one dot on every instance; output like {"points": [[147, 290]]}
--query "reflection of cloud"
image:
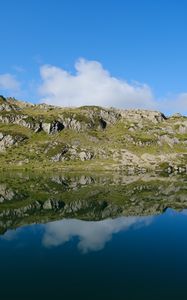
{"points": [[92, 235], [184, 212], [10, 235]]}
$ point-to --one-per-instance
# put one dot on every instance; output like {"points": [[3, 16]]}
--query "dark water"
{"points": [[118, 257]]}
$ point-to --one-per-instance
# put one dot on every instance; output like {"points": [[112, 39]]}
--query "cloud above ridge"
{"points": [[8, 82], [91, 85], [174, 103]]}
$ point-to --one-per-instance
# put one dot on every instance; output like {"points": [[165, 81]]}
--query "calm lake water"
{"points": [[50, 251]]}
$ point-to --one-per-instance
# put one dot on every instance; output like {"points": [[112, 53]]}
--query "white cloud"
{"points": [[92, 235], [174, 103], [9, 83], [91, 85]]}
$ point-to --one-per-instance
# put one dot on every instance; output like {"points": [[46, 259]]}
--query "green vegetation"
{"points": [[15, 130], [95, 138]]}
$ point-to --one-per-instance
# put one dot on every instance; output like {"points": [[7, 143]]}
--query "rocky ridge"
{"points": [[133, 140]]}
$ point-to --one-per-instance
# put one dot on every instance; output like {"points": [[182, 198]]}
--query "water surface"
{"points": [[68, 238]]}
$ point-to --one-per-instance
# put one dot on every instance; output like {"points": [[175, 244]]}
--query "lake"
{"points": [[98, 236]]}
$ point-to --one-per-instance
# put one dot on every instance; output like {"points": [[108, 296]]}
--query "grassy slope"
{"points": [[114, 138]]}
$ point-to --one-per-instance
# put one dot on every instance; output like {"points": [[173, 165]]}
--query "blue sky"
{"points": [[134, 40]]}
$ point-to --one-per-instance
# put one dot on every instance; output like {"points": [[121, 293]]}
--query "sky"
{"points": [[120, 53]]}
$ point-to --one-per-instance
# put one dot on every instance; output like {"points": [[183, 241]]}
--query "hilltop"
{"points": [[90, 138]]}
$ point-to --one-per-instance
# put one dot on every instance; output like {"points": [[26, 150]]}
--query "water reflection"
{"points": [[92, 236], [135, 256], [28, 198]]}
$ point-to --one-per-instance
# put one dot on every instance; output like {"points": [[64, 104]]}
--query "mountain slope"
{"points": [[90, 137]]}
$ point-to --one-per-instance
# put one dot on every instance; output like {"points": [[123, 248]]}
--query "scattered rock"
{"points": [[85, 155], [7, 140]]}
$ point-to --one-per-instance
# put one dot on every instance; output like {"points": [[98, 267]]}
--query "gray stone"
{"points": [[47, 205]]}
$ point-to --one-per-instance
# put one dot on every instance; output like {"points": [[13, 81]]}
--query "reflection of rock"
{"points": [[53, 204], [6, 193], [48, 197], [47, 204], [92, 235]]}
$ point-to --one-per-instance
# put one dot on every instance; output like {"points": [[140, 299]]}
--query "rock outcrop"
{"points": [[8, 140], [72, 153], [138, 115], [111, 139]]}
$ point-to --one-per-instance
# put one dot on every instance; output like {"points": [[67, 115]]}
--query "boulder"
{"points": [[8, 140], [52, 127], [85, 155]]}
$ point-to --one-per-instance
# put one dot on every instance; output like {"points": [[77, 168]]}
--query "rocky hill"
{"points": [[90, 138]]}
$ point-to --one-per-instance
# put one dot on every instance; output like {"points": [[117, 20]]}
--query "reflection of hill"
{"points": [[27, 198]]}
